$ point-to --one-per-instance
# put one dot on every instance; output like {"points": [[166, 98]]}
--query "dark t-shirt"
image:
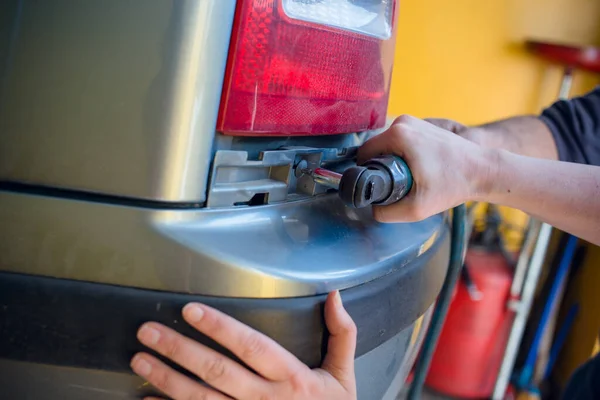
{"points": [[585, 382], [575, 125]]}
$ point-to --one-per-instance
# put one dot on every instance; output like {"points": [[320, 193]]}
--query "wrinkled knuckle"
{"points": [[253, 345], [172, 347], [398, 131], [399, 136], [300, 384], [198, 395], [311, 390], [162, 381], [212, 325], [403, 119], [305, 386], [439, 122], [350, 328], [215, 369], [266, 396]]}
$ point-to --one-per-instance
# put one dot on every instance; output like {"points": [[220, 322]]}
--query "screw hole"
{"points": [[369, 191]]}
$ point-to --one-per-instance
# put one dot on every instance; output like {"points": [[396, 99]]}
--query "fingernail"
{"points": [[141, 366], [337, 299], [148, 335], [193, 312]]}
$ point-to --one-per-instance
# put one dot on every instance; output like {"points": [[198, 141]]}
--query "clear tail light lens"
{"points": [[308, 67], [369, 17]]}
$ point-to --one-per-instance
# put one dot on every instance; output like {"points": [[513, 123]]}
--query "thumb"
{"points": [[339, 361]]}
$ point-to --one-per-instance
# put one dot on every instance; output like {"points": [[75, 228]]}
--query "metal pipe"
{"points": [[524, 257], [566, 83], [516, 333]]}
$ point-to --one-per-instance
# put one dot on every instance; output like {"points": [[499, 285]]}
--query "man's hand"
{"points": [[279, 375], [447, 169]]}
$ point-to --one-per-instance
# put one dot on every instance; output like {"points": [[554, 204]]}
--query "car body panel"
{"points": [[114, 97]]}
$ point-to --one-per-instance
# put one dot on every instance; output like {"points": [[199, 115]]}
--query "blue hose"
{"points": [[457, 249]]}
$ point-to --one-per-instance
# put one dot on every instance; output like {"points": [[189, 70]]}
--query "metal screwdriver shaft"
{"points": [[324, 177]]}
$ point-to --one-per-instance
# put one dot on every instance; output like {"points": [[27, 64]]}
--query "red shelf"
{"points": [[584, 57]]}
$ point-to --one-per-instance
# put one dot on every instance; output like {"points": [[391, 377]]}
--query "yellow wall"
{"points": [[464, 59]]}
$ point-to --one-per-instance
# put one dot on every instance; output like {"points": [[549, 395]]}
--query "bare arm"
{"points": [[525, 135], [565, 195], [568, 130]]}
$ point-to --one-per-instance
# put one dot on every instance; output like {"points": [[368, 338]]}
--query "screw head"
{"points": [[302, 165]]}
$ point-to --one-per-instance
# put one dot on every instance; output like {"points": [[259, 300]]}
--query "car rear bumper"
{"points": [[380, 375], [52, 326], [79, 276], [92, 325]]}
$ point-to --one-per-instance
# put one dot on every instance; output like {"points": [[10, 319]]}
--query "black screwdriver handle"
{"points": [[381, 181]]}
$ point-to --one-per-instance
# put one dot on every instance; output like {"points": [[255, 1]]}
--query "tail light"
{"points": [[308, 67]]}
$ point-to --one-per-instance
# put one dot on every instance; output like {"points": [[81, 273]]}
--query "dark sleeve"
{"points": [[584, 384], [575, 125]]}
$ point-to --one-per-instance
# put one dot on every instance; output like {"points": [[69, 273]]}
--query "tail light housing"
{"points": [[308, 67]]}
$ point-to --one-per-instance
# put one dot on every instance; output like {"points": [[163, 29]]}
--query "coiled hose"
{"points": [[457, 252]]}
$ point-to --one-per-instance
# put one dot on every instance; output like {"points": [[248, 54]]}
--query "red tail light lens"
{"points": [[308, 67]]}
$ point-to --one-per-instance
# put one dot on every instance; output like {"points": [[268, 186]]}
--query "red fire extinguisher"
{"points": [[470, 349]]}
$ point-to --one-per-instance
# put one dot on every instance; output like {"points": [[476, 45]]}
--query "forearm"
{"points": [[562, 194], [525, 135]]}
